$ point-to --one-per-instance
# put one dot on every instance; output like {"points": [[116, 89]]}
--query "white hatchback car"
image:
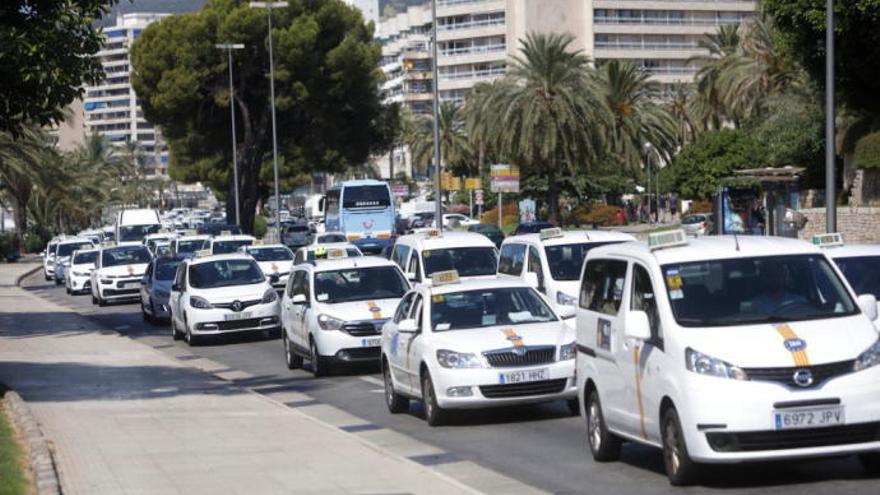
{"points": [[276, 261], [726, 350], [333, 310], [421, 255], [221, 294], [118, 272], [77, 278], [476, 344]]}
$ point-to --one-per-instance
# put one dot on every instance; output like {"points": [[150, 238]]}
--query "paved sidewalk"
{"points": [[125, 418]]}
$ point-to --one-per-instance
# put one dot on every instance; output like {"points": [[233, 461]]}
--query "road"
{"points": [[543, 445]]}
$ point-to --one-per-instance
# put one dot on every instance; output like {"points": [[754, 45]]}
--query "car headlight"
{"points": [[452, 359], [565, 299], [327, 322], [707, 365], [269, 296], [81, 274], [199, 302], [869, 358], [568, 351]]}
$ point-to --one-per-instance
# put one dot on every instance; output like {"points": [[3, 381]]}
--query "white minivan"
{"points": [[726, 350], [133, 225]]}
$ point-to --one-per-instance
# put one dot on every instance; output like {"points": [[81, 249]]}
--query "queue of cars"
{"points": [[713, 349]]}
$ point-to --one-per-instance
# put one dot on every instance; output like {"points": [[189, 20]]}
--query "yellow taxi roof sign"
{"points": [[445, 278], [432, 233], [201, 253], [333, 254], [667, 239], [551, 233], [833, 239]]}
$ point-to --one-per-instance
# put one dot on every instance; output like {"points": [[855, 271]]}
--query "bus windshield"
{"points": [[366, 197]]}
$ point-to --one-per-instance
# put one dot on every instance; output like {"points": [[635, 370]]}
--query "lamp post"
{"points": [[269, 6], [229, 47], [438, 212], [830, 205], [648, 188]]}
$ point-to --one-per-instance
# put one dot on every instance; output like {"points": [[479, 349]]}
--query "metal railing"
{"points": [[682, 21], [452, 76], [467, 50], [448, 3], [495, 21], [647, 46]]}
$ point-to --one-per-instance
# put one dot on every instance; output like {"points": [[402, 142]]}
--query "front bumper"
{"points": [[345, 347], [487, 390], [119, 288], [160, 308], [214, 321], [738, 418], [78, 283]]}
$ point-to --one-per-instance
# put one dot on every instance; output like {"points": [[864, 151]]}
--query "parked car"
{"points": [[489, 230], [698, 223], [532, 228]]}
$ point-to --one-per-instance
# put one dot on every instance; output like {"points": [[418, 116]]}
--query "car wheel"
{"points": [[57, 282], [101, 302], [67, 289], [604, 445], [319, 364], [293, 359], [870, 463], [680, 469], [434, 414], [146, 316], [47, 277], [94, 300], [396, 403], [175, 333], [191, 340]]}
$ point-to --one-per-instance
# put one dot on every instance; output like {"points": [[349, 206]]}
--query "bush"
{"points": [[7, 244], [599, 214], [511, 215], [700, 206], [260, 226], [868, 151], [34, 243]]}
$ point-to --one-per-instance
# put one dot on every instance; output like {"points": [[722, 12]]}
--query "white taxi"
{"points": [[725, 350], [219, 294], [319, 251], [552, 260], [152, 241], [188, 244], [421, 255], [476, 344], [859, 263], [49, 258], [276, 261], [227, 243], [118, 272], [77, 278], [333, 310]]}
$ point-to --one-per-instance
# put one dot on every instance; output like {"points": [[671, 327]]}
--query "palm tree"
{"points": [[21, 158], [707, 105], [548, 107], [455, 149]]}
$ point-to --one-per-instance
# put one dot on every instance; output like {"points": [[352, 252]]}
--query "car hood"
{"points": [[371, 309], [270, 267], [569, 287], [233, 293], [479, 340], [767, 345], [124, 270]]}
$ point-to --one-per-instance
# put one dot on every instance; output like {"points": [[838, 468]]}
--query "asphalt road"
{"points": [[540, 445]]}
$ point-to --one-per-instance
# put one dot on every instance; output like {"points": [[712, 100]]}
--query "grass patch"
{"points": [[13, 478]]}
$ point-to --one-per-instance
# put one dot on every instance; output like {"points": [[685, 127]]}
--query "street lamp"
{"points": [[269, 6], [438, 212], [229, 47], [830, 207], [648, 188]]}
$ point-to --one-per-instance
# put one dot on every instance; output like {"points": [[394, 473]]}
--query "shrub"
{"points": [[260, 226], [511, 215], [34, 243], [599, 214], [868, 151]]}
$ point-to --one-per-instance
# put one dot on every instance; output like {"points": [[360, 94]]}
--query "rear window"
{"points": [[693, 219]]}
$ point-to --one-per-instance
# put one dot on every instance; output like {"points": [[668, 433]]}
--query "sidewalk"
{"points": [[125, 418]]}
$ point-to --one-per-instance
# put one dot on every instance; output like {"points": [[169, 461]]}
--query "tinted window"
{"points": [[359, 284], [863, 273], [325, 238], [125, 255], [271, 254], [366, 197], [351, 252], [488, 307], [226, 247], [602, 286], [512, 258], [469, 261], [644, 299], [129, 233], [693, 219], [166, 269], [566, 260], [68, 249], [400, 255], [190, 246], [536, 267], [403, 307], [225, 273], [85, 258]]}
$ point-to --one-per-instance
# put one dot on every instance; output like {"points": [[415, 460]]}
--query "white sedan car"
{"points": [[118, 272], [276, 261], [77, 276], [220, 294], [476, 344]]}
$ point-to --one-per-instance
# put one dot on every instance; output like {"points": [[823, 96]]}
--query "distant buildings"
{"points": [[369, 8]]}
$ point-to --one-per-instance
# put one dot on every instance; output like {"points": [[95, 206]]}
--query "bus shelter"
{"points": [[760, 201]]}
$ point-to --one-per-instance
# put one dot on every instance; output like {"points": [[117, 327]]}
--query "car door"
{"points": [[287, 304], [174, 298], [297, 312], [414, 346], [146, 282], [414, 266], [397, 347], [537, 267]]}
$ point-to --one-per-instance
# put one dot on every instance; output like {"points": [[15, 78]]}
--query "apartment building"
{"points": [[111, 108], [369, 9]]}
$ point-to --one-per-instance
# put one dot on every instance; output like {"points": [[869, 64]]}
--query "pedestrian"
{"points": [[673, 206]]}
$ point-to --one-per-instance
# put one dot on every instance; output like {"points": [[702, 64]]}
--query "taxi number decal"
{"points": [[793, 344], [437, 298]]}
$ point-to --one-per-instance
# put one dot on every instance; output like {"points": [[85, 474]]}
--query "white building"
{"points": [[111, 108], [369, 9]]}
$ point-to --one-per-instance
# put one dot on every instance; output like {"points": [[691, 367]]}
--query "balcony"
{"points": [[471, 24], [690, 5], [467, 50], [446, 8], [665, 21]]}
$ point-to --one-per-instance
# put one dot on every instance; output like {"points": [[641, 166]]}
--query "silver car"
{"points": [[156, 289], [697, 224]]}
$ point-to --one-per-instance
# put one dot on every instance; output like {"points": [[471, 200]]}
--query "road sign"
{"points": [[472, 183], [504, 178], [454, 183], [478, 197], [400, 190]]}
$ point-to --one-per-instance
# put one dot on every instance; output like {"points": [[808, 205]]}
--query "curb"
{"points": [[42, 464], [27, 274]]}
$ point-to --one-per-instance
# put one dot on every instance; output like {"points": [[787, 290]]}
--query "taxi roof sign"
{"points": [[551, 233], [336, 253], [445, 278], [832, 239], [201, 253], [225, 232], [667, 239], [432, 233], [258, 242]]}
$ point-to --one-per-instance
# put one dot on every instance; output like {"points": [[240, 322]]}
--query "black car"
{"points": [[214, 229], [489, 230], [532, 228], [425, 219]]}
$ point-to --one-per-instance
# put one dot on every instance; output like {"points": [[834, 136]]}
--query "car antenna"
{"points": [[736, 240]]}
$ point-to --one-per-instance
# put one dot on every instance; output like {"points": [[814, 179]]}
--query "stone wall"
{"points": [[858, 225]]}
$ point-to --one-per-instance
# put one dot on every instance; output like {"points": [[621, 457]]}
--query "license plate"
{"points": [[816, 417], [374, 342], [237, 316], [523, 376]]}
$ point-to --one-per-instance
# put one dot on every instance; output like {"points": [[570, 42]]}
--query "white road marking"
{"points": [[374, 381]]}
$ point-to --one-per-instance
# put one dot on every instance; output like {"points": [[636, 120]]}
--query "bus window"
{"points": [[366, 197]]}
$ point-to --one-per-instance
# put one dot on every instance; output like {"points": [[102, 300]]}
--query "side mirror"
{"points": [[411, 276], [531, 278], [566, 312], [299, 299], [175, 287], [637, 326], [274, 278], [408, 326], [868, 305]]}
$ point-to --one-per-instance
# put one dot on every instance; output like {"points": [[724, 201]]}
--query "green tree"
{"points": [[22, 154], [707, 106], [326, 85], [46, 49], [701, 166], [455, 149]]}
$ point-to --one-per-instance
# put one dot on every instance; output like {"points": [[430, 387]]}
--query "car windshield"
{"points": [[746, 291], [332, 238], [50, 249], [225, 273], [693, 219], [226, 247], [69, 248], [166, 268], [128, 233], [862, 272], [190, 246], [488, 307], [89, 257], [359, 284], [125, 255], [297, 229], [469, 261], [484, 228], [565, 261], [271, 254]]}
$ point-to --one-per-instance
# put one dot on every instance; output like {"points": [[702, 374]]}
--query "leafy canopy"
{"points": [[700, 167]]}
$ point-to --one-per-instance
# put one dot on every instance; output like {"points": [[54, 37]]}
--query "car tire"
{"points": [[434, 414], [294, 360], [101, 302], [396, 403], [57, 282], [870, 463], [191, 340], [574, 407], [175, 333], [319, 364], [94, 300], [48, 278], [604, 445], [146, 316], [680, 469], [67, 289]]}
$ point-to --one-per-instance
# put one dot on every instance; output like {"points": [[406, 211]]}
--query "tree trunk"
{"points": [[553, 196], [19, 208]]}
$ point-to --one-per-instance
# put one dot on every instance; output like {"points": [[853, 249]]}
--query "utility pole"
{"points": [[229, 47], [648, 188], [438, 211], [830, 204]]}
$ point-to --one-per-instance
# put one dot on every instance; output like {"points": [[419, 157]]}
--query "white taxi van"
{"points": [[118, 272], [422, 254], [333, 310], [859, 263], [552, 260], [227, 243], [474, 344], [725, 350], [214, 295], [319, 251]]}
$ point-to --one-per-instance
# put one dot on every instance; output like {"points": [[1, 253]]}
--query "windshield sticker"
{"points": [[426, 254], [673, 280], [618, 289], [443, 326], [437, 298], [489, 320], [676, 294], [513, 337], [603, 335], [323, 297], [520, 316], [375, 310]]}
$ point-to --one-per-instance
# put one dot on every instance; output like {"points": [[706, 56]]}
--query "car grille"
{"points": [[121, 292], [359, 354], [244, 304], [543, 387], [793, 439], [364, 328], [506, 358], [821, 373], [237, 324]]}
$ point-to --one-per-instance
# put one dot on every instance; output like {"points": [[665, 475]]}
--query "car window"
{"points": [[359, 284], [404, 307], [399, 255], [602, 286], [468, 261], [863, 273], [125, 255], [297, 284], [166, 268], [536, 267], [414, 267], [565, 260], [416, 312], [644, 299], [512, 258], [488, 308]]}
